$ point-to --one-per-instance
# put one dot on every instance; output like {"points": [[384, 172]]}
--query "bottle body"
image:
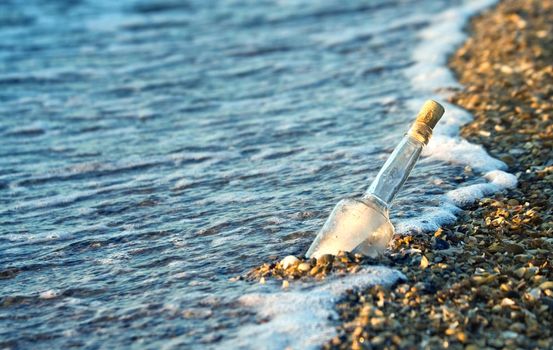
{"points": [[362, 225], [355, 225]]}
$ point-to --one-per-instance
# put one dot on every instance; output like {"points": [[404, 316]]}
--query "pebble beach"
{"points": [[485, 281]]}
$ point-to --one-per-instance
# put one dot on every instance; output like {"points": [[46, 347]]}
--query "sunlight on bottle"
{"points": [[355, 225]]}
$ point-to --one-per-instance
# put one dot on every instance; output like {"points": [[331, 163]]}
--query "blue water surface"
{"points": [[151, 150]]}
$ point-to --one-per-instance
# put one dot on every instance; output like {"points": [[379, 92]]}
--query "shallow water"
{"points": [[149, 151]]}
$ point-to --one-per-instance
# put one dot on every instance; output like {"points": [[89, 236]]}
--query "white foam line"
{"points": [[302, 316], [428, 76]]}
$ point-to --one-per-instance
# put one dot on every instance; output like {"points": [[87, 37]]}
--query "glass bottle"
{"points": [[361, 225]]}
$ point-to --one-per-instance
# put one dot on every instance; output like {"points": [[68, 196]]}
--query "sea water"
{"points": [[152, 150]]}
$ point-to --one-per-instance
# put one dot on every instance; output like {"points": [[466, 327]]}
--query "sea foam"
{"points": [[302, 316], [430, 76]]}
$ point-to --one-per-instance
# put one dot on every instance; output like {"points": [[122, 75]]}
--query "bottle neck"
{"points": [[396, 170]]}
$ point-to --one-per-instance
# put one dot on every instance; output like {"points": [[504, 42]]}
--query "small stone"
{"points": [[534, 294], [304, 267], [513, 202], [506, 69], [378, 340], [513, 248], [484, 279], [424, 262], [546, 285], [285, 284], [344, 257], [506, 302], [520, 272], [440, 244], [495, 247], [531, 271], [235, 278], [377, 322], [548, 302], [504, 287], [523, 257], [315, 270], [517, 327], [288, 261], [325, 259]]}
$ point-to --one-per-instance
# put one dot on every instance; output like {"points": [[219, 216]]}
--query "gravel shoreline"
{"points": [[486, 281]]}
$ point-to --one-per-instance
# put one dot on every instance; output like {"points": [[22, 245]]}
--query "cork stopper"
{"points": [[428, 117], [430, 113]]}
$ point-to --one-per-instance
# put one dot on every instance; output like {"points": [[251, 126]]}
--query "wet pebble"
{"points": [[288, 261]]}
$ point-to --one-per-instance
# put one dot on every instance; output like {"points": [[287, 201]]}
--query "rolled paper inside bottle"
{"points": [[428, 117]]}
